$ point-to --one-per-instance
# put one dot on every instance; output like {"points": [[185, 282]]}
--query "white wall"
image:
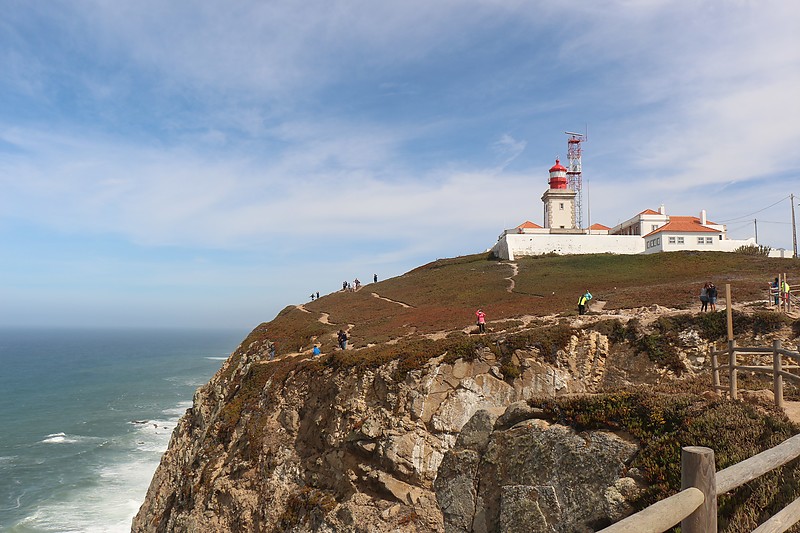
{"points": [[512, 245], [690, 243]]}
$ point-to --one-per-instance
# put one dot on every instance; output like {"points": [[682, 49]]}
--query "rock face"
{"points": [[452, 446], [532, 476]]}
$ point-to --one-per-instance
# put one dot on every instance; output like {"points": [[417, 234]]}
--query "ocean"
{"points": [[85, 416]]}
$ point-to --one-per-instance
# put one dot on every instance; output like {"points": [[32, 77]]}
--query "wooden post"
{"points": [[714, 370], [698, 470], [777, 379], [729, 310], [732, 368], [783, 296]]}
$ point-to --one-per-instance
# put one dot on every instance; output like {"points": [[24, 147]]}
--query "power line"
{"points": [[755, 212]]}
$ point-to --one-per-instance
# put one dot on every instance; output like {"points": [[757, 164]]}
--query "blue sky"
{"points": [[185, 164]]}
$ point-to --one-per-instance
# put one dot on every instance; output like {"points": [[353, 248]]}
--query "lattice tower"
{"points": [[574, 172]]}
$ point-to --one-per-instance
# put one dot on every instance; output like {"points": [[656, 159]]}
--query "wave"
{"points": [[61, 438], [178, 410], [217, 358], [108, 500]]}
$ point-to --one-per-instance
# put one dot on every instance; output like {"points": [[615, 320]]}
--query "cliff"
{"points": [[423, 426]]}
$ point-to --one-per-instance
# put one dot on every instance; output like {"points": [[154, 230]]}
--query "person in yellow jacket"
{"points": [[583, 301], [785, 290]]}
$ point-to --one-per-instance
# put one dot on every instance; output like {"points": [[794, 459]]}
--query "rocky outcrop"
{"points": [[533, 476], [295, 445]]}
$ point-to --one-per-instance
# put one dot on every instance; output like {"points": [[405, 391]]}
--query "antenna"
{"points": [[575, 172]]}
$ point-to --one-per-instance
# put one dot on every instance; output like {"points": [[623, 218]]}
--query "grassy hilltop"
{"points": [[442, 296]]}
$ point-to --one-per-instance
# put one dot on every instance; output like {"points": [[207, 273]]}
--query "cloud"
{"points": [[508, 148]]}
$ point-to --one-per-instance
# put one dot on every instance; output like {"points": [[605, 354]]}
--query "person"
{"points": [[785, 290], [344, 285], [375, 278], [271, 351], [342, 337], [775, 291], [356, 284], [712, 296], [481, 321], [317, 295], [312, 296], [583, 301], [704, 297], [316, 351]]}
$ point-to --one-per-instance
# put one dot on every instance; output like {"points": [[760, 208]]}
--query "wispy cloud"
{"points": [[396, 129]]}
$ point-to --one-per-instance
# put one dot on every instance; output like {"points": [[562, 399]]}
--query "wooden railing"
{"points": [[695, 506], [778, 370]]}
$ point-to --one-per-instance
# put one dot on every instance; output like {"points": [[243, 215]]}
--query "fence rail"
{"points": [[695, 506], [698, 513]]}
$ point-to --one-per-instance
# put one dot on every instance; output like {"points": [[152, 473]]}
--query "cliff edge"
{"points": [[423, 425]]}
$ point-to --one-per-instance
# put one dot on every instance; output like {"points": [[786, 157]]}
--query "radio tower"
{"points": [[574, 172]]}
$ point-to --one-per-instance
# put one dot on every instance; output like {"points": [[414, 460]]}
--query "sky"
{"points": [[205, 164]]}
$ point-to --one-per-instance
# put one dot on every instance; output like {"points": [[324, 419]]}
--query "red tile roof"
{"points": [[529, 225], [598, 226], [649, 212], [684, 225]]}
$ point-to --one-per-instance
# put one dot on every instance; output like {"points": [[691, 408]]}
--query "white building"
{"points": [[647, 232]]}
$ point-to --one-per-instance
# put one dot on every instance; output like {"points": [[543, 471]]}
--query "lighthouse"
{"points": [[559, 200]]}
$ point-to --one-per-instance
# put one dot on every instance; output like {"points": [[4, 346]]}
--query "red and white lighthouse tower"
{"points": [[559, 200]]}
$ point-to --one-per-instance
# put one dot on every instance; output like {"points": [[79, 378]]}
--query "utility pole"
{"points": [[755, 223], [794, 228]]}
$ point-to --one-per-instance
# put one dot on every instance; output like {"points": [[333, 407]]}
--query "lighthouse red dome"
{"points": [[557, 167], [558, 176]]}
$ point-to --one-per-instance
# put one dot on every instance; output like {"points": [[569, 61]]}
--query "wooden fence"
{"points": [[695, 506], [778, 369]]}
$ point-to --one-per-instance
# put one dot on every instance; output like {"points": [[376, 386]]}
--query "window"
{"points": [[561, 205], [709, 240], [672, 240], [653, 227], [701, 240], [680, 240]]}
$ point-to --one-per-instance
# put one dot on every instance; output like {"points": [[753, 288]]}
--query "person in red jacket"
{"points": [[481, 321]]}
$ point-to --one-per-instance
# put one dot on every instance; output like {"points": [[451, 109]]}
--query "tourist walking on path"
{"points": [[775, 291], [375, 278], [316, 351], [481, 321], [712, 296], [785, 291], [342, 338], [271, 351], [583, 301], [704, 297]]}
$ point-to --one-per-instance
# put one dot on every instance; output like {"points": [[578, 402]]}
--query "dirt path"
{"points": [[511, 282], [303, 309], [379, 297], [792, 410]]}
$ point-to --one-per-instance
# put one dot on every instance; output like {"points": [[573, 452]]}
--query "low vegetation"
{"points": [[664, 422]]}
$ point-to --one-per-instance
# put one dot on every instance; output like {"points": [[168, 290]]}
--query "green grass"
{"points": [[444, 294]]}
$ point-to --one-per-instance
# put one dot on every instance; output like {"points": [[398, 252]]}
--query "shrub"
{"points": [[663, 423], [754, 249], [306, 506]]}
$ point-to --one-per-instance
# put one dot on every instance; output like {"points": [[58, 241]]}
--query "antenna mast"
{"points": [[574, 171]]}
